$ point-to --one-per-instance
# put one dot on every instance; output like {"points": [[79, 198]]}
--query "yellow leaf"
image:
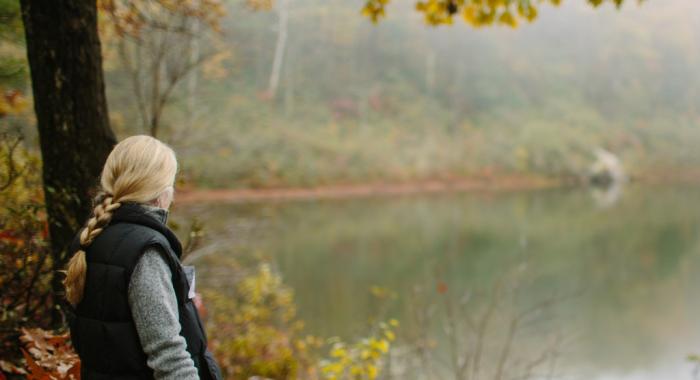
{"points": [[508, 19], [390, 335]]}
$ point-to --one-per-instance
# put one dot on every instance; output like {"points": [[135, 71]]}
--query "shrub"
{"points": [[361, 360], [254, 330], [255, 333], [25, 261]]}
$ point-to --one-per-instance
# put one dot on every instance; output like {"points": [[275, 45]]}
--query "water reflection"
{"points": [[632, 269], [607, 196]]}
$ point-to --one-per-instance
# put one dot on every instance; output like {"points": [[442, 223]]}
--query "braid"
{"points": [[101, 216], [77, 266]]}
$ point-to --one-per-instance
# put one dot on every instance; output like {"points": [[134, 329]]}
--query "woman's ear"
{"points": [[165, 198]]}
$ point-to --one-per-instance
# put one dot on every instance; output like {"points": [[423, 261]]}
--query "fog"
{"points": [[403, 100]]}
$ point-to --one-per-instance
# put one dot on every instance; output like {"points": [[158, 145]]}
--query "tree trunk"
{"points": [[283, 23], [65, 61], [192, 81]]}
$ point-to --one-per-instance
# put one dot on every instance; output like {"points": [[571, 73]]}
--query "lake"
{"points": [[564, 284]]}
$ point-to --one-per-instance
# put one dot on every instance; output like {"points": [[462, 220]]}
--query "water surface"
{"points": [[599, 291]]}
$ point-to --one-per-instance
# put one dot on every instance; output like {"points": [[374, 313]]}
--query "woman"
{"points": [[133, 315]]}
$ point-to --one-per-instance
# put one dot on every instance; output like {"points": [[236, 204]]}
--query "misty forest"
{"points": [[373, 189]]}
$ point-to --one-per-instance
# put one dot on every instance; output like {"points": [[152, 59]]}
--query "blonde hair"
{"points": [[139, 169]]}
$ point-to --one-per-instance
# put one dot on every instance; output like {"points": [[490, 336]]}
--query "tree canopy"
{"points": [[475, 12]]}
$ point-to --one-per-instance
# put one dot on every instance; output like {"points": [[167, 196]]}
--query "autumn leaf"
{"points": [[48, 355], [35, 371], [475, 12], [11, 368]]}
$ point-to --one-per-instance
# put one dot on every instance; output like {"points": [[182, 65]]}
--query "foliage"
{"points": [[13, 67], [361, 360], [355, 103], [255, 332], [157, 44], [255, 329], [47, 356], [133, 18], [25, 260], [260, 5], [10, 20], [12, 102], [475, 12]]}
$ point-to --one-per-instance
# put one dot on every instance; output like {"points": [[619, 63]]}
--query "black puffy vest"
{"points": [[101, 326]]}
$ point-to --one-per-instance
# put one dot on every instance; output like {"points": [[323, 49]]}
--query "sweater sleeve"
{"points": [[155, 312]]}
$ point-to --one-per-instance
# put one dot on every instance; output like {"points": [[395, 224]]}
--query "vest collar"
{"points": [[156, 212], [149, 216]]}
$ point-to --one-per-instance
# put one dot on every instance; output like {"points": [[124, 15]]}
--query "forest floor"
{"points": [[501, 183]]}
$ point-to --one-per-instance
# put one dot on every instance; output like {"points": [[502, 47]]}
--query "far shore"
{"points": [[498, 183], [510, 183]]}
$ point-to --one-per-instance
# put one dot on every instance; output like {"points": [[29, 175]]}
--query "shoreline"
{"points": [[494, 183], [342, 191]]}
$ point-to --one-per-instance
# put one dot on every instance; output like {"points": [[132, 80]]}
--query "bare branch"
{"points": [[13, 173]]}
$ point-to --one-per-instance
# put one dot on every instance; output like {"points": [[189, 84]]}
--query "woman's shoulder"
{"points": [[153, 261], [152, 277]]}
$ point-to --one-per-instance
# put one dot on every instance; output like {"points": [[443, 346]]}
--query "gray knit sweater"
{"points": [[155, 312]]}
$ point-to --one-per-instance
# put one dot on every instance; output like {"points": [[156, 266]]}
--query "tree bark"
{"points": [[65, 61]]}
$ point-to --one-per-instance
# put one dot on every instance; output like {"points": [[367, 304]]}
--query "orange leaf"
{"points": [[74, 371], [35, 371]]}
